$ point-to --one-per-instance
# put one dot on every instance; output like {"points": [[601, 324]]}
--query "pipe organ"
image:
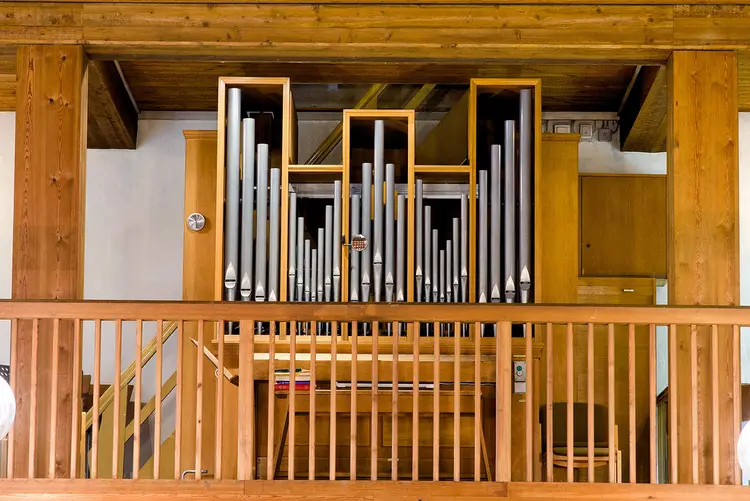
{"points": [[435, 233]]}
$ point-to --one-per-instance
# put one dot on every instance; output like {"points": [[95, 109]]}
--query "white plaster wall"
{"points": [[7, 148]]}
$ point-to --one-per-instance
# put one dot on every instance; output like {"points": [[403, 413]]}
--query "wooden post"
{"points": [[49, 197], [703, 236]]}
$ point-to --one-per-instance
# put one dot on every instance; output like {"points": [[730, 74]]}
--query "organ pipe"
{"points": [[336, 240], [427, 253], [482, 236], [455, 253], [524, 189], [232, 218], [377, 258], [327, 254], [390, 240], [301, 264], [495, 223], [419, 250], [248, 196], [308, 273], [273, 246], [354, 284], [262, 219], [464, 247], [314, 276], [401, 248], [435, 283], [292, 236], [319, 264], [448, 270], [366, 227]]}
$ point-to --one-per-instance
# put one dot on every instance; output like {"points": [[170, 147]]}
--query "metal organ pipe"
{"points": [[482, 236], [390, 187], [427, 253], [366, 230], [419, 250], [248, 197], [495, 223], [400, 248], [448, 271], [336, 240], [455, 252], [232, 225], [308, 274], [292, 236], [441, 275], [524, 189], [328, 254], [377, 194], [301, 265], [319, 263], [260, 240], [509, 271], [464, 247], [435, 263], [354, 283], [314, 276], [273, 246]]}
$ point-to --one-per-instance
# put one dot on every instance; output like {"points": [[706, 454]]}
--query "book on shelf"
{"points": [[284, 376], [299, 386]]}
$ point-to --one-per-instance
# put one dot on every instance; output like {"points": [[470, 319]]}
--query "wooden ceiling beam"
{"points": [[112, 117], [643, 117]]}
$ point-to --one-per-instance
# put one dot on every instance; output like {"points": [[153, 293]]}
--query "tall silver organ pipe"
{"points": [[232, 218], [327, 253], [454, 262], [525, 194], [301, 265], [273, 245], [401, 248], [448, 270], [377, 194], [441, 275], [435, 263], [262, 220], [336, 240], [482, 285], [509, 270], [365, 260], [390, 240], [314, 276], [464, 272], [248, 198], [427, 253], [319, 264], [292, 236], [495, 223], [419, 250], [354, 283], [308, 271]]}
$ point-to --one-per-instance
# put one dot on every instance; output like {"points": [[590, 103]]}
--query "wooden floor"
{"points": [[94, 490]]}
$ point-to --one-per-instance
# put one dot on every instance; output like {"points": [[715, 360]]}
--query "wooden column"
{"points": [[49, 197], [703, 237]]}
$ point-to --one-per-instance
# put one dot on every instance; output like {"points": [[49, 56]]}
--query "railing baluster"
{"points": [[353, 410], [694, 403], [270, 459], [590, 401], [292, 397], [138, 393], [178, 402], [75, 436], [529, 405], [116, 446], [569, 397], [436, 403], [415, 403], [715, 402], [94, 468], [219, 422], [157, 400], [550, 398], [14, 363], [631, 402], [503, 412], [394, 404], [313, 396], [374, 413], [652, 402], [332, 440], [53, 397], [736, 399], [611, 402], [477, 402], [673, 404], [456, 401], [246, 401]]}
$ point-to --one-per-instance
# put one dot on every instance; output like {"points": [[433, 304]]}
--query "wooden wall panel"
{"points": [[48, 227], [623, 226], [703, 232]]}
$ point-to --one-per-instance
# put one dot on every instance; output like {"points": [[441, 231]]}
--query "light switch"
{"points": [[519, 376]]}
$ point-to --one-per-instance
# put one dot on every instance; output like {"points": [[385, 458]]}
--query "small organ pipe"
{"points": [[292, 235], [273, 246], [232, 211], [525, 194], [454, 263], [390, 240], [301, 265], [483, 228], [365, 260], [262, 220], [314, 276], [464, 247], [248, 198], [308, 272], [448, 271], [354, 283], [328, 253], [435, 263], [509, 269], [441, 274], [427, 253], [319, 264], [401, 248], [336, 241], [377, 194], [419, 250], [495, 223]]}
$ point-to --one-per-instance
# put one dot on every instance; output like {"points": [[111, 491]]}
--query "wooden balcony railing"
{"points": [[417, 406]]}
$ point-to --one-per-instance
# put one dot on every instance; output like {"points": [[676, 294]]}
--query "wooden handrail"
{"points": [[106, 399], [369, 312]]}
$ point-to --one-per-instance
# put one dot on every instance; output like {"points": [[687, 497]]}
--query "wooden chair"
{"points": [[580, 438]]}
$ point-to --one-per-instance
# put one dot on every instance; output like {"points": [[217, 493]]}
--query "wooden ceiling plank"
{"points": [[643, 118], [112, 120]]}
